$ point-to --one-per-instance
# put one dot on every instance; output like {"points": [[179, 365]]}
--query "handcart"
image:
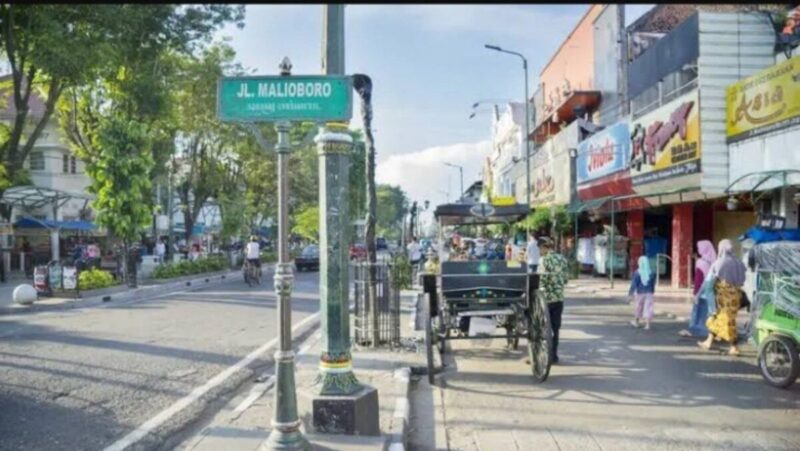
{"points": [[775, 311], [499, 289]]}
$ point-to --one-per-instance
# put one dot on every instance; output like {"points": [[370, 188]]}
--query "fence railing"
{"points": [[383, 320]]}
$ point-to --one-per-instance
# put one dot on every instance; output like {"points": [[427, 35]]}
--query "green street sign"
{"points": [[292, 98]]}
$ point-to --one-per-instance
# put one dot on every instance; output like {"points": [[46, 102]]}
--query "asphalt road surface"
{"points": [[617, 388], [84, 378]]}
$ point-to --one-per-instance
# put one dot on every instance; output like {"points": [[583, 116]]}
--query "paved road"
{"points": [[82, 379], [618, 388]]}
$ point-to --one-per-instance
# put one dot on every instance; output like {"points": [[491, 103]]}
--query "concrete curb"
{"points": [[138, 294], [396, 440]]}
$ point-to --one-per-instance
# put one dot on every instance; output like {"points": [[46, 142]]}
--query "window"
{"points": [[72, 166], [65, 163], [36, 161]]}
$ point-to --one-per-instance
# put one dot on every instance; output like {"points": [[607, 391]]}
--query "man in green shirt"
{"points": [[554, 271]]}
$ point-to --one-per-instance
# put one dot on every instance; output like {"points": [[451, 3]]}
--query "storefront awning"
{"points": [[33, 223], [753, 181], [636, 201], [32, 197], [565, 113]]}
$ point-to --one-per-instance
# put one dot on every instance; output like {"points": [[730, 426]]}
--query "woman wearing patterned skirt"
{"points": [[730, 274]]}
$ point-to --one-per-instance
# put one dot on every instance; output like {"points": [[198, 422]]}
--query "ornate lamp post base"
{"points": [[341, 405]]}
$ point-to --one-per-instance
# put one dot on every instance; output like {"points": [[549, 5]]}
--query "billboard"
{"points": [[604, 153], [764, 102], [665, 143]]}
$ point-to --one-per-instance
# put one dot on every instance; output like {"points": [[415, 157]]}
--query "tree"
{"points": [[392, 204], [113, 120], [307, 223], [52, 48]]}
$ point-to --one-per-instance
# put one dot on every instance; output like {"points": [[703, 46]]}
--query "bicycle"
{"points": [[252, 274]]}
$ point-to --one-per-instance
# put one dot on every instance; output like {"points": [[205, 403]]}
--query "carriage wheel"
{"points": [[429, 339], [444, 332], [540, 341]]}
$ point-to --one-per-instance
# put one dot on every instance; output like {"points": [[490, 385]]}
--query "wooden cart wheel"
{"points": [[429, 339], [443, 332], [540, 341]]}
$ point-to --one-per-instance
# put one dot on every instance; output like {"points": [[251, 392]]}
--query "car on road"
{"points": [[358, 251], [381, 244], [308, 259]]}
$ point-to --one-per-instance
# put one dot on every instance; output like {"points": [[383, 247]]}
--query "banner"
{"points": [[70, 277], [665, 143], [764, 102], [550, 168], [604, 153]]}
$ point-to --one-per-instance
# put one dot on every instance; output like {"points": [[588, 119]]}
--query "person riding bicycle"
{"points": [[253, 252]]}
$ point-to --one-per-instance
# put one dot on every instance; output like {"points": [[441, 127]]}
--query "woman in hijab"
{"points": [[730, 274], [643, 286], [697, 324]]}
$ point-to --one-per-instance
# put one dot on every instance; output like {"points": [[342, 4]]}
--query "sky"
{"points": [[428, 66]]}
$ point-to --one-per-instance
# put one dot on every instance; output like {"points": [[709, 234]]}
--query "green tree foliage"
{"points": [[54, 48], [392, 205], [306, 223], [119, 172], [208, 147]]}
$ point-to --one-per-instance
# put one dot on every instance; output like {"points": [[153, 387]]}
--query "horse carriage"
{"points": [[500, 289]]}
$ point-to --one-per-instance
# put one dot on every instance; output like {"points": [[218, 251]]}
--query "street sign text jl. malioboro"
{"points": [[276, 98]]}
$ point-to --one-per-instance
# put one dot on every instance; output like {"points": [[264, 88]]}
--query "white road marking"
{"points": [[182, 403]]}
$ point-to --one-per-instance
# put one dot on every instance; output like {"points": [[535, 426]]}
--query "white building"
{"points": [[58, 189], [508, 146]]}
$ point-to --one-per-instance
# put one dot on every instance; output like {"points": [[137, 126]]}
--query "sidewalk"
{"points": [[672, 302], [147, 288], [245, 421]]}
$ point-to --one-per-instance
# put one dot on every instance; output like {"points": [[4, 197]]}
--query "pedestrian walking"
{"points": [[414, 252], [643, 287], [554, 271], [161, 250], [700, 309], [532, 253], [729, 273]]}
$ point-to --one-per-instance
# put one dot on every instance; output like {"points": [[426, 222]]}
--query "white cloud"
{"points": [[423, 175]]}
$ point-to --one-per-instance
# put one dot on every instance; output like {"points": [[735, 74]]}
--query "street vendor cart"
{"points": [[775, 313], [499, 289]]}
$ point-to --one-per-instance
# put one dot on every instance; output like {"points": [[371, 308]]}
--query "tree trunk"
{"points": [[363, 86]]}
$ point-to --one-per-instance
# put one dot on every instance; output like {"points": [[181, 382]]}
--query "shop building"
{"points": [[508, 148], [667, 179], [763, 135]]}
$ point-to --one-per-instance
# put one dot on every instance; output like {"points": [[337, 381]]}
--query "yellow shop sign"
{"points": [[764, 102]]}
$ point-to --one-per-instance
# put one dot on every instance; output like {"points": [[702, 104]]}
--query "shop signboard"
{"points": [[604, 153], [549, 166], [665, 143], [54, 277], [764, 102], [70, 276]]}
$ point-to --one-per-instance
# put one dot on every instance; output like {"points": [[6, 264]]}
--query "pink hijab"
{"points": [[707, 256]]}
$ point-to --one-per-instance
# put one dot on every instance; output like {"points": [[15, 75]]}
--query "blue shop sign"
{"points": [[604, 153]]}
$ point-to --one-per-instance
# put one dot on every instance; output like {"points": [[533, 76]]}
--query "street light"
{"points": [[461, 171], [527, 121]]}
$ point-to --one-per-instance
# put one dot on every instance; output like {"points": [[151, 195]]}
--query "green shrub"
{"points": [[400, 272], [94, 279], [269, 257], [188, 268]]}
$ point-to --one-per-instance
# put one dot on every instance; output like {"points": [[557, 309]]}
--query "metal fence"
{"points": [[388, 308]]}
